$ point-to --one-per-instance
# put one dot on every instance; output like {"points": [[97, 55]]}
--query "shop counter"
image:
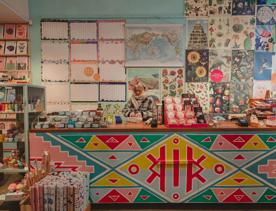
{"points": [[133, 163]]}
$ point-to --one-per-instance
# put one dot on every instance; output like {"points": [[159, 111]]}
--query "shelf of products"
{"points": [[19, 105], [14, 53]]}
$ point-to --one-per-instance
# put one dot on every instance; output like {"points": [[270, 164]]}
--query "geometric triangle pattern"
{"points": [[166, 167]]}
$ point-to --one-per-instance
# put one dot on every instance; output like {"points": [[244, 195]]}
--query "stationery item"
{"points": [[10, 63], [57, 51], [83, 31], [263, 65], [55, 90], [2, 47], [3, 96], [112, 72], [172, 82], [197, 65], [111, 29], [219, 97], [22, 47], [22, 63], [1, 31], [21, 31], [54, 30], [84, 52], [54, 72], [2, 63], [84, 92], [113, 92], [9, 32], [201, 92], [218, 7], [113, 51], [10, 47], [83, 71]]}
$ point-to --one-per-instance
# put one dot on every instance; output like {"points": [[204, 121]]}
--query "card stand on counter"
{"points": [[176, 116]]}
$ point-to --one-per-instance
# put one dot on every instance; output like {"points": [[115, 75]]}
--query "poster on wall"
{"points": [[243, 7], [263, 65], [84, 52], [196, 8], [2, 63], [151, 45], [243, 32], [219, 36], [84, 92], [197, 30], [112, 51], [148, 77], [220, 65], [260, 88], [266, 15], [197, 65], [264, 37], [111, 29], [172, 82], [220, 7], [112, 72], [219, 97], [201, 91]]}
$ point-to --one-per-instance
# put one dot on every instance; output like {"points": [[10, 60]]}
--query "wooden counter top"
{"points": [[140, 127]]}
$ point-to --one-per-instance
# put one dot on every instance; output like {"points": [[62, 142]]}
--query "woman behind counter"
{"points": [[140, 105]]}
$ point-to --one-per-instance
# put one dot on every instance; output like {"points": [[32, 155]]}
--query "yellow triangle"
{"points": [[255, 143], [113, 179], [239, 179], [95, 144]]}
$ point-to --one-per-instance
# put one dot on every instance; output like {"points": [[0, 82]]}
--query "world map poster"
{"points": [[154, 45]]}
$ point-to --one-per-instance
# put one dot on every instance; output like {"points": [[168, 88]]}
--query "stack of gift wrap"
{"points": [[61, 191]]}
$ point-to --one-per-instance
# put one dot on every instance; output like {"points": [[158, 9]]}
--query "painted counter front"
{"points": [[167, 166]]}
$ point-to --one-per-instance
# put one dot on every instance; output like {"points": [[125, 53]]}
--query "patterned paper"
{"points": [[197, 65], [243, 7], [201, 90], [219, 32], [172, 82], [149, 77], [260, 88], [264, 37], [263, 65], [220, 65], [266, 15], [220, 7], [243, 32], [197, 34], [242, 65], [154, 45], [219, 97], [196, 8]]}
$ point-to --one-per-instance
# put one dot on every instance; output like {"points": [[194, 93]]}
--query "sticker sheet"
{"points": [[84, 72], [240, 93], [57, 51], [148, 77], [197, 65], [220, 7], [243, 7], [52, 72], [112, 92], [219, 97], [172, 82], [264, 37], [260, 88], [219, 36], [84, 52], [154, 45], [84, 92], [201, 91], [263, 66], [243, 32], [196, 8], [54, 91], [220, 65], [83, 31], [197, 33], [266, 15], [112, 72], [54, 30], [111, 29]]}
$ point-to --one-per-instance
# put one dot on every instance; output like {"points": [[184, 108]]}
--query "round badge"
{"points": [[216, 75], [88, 71]]}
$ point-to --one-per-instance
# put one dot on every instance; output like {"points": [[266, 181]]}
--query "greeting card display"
{"points": [[1, 31], [10, 48], [21, 47], [11, 63], [9, 32], [2, 47], [22, 63], [21, 31]]}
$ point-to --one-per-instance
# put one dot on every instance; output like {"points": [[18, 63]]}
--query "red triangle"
{"points": [[81, 140], [239, 157], [144, 197], [96, 144], [129, 143], [112, 141], [113, 196], [238, 140], [112, 157], [271, 140], [239, 197], [239, 180], [144, 140], [113, 180], [255, 143], [207, 140], [208, 197], [269, 197]]}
